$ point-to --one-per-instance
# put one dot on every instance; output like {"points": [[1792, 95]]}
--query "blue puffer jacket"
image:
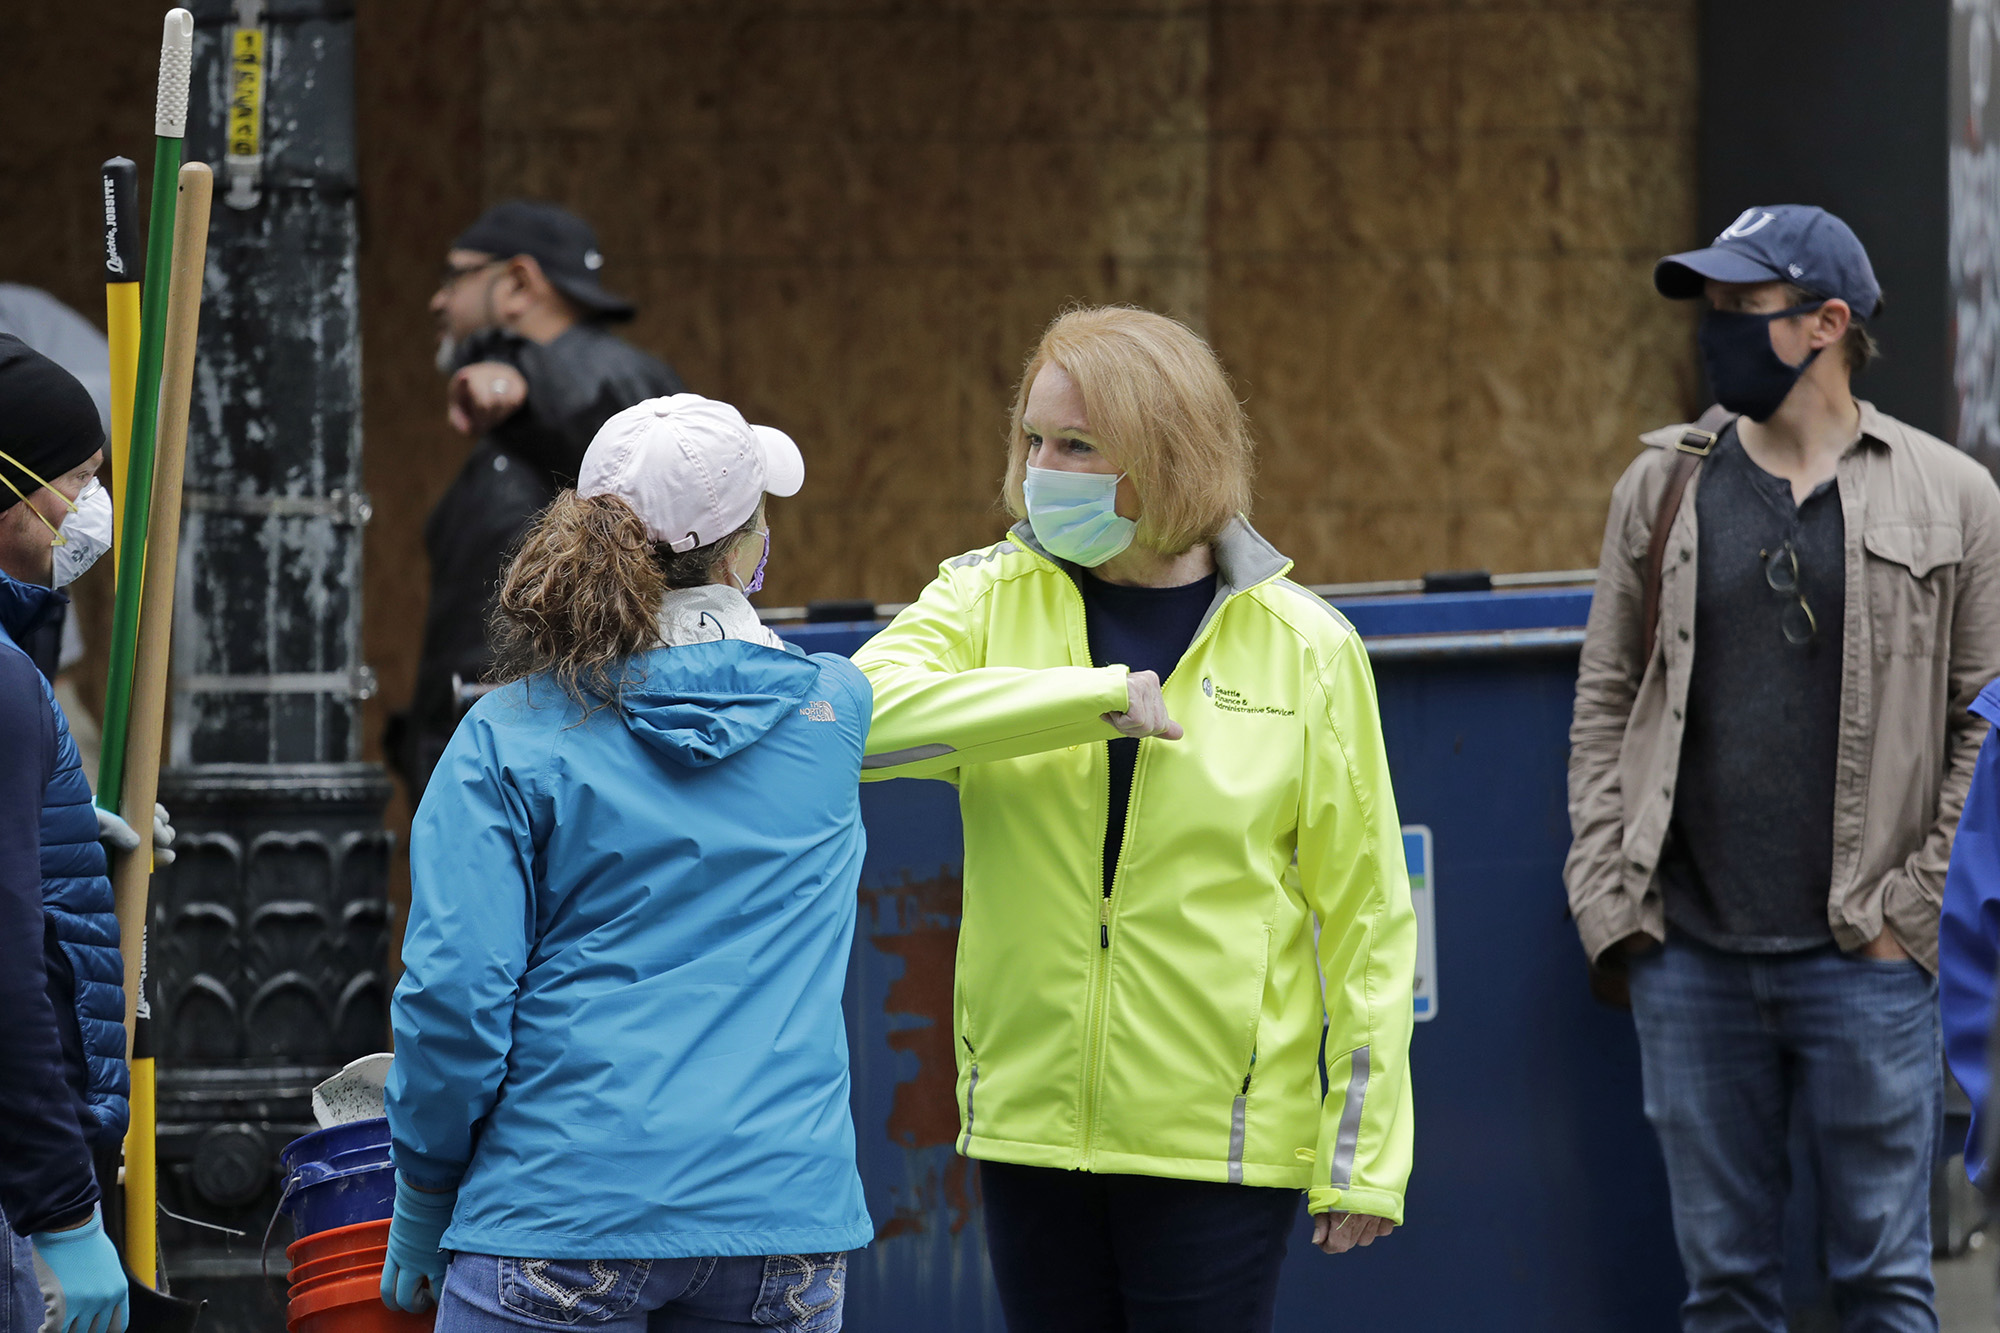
{"points": [[619, 1028], [77, 898], [1969, 938]]}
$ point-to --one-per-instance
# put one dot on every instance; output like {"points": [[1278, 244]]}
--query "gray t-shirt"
{"points": [[1748, 862]]}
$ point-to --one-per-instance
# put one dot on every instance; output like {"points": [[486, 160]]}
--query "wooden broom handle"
{"points": [[132, 872]]}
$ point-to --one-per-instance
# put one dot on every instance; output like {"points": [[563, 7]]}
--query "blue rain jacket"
{"points": [[1969, 933], [619, 1030]]}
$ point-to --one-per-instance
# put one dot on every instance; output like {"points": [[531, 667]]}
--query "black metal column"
{"points": [[268, 949], [1974, 157], [1843, 103]]}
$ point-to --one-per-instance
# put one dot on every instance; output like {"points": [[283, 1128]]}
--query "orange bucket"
{"points": [[340, 1240], [337, 1284], [342, 1268], [351, 1305], [313, 1269]]}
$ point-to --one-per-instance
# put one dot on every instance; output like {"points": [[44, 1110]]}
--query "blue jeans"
{"points": [[792, 1293], [20, 1292], [1732, 1046]]}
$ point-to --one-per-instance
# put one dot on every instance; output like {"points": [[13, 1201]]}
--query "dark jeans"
{"points": [[1078, 1252], [1731, 1047], [788, 1293], [20, 1291]]}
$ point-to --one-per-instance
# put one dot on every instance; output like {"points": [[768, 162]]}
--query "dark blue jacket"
{"points": [[63, 1081], [1969, 932]]}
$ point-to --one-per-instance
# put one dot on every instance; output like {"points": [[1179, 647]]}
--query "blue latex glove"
{"points": [[95, 1295], [413, 1269]]}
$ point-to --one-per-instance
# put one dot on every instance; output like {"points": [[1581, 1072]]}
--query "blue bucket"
{"points": [[339, 1176]]}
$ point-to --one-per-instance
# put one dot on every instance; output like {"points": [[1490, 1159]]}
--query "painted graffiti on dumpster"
{"points": [[916, 923]]}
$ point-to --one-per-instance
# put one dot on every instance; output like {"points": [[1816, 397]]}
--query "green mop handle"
{"points": [[169, 129]]}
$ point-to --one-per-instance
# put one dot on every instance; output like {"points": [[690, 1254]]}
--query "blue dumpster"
{"points": [[1538, 1203]]}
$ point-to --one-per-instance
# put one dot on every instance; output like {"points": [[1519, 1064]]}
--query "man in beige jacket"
{"points": [[1765, 778]]}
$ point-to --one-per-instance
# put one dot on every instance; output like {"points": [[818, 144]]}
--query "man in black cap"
{"points": [[1797, 601], [521, 320]]}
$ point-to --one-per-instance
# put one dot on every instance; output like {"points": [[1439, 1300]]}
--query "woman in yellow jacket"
{"points": [[1184, 974]]}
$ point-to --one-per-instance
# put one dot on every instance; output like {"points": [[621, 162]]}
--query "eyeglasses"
{"points": [[453, 274], [1781, 571]]}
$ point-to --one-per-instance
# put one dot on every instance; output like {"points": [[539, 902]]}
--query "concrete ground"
{"points": [[1965, 1289]]}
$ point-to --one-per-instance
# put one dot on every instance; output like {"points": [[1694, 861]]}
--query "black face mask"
{"points": [[1746, 374]]}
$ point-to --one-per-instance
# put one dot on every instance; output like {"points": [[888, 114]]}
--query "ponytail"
{"points": [[581, 597]]}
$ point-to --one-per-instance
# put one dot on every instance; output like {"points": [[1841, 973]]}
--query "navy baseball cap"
{"points": [[560, 241], [1796, 243]]}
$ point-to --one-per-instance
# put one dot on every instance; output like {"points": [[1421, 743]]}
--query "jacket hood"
{"points": [[699, 703], [24, 606]]}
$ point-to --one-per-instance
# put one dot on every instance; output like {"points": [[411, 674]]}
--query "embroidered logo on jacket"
{"points": [[1233, 701], [819, 710]]}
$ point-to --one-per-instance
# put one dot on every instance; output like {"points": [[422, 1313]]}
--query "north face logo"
{"points": [[819, 710]]}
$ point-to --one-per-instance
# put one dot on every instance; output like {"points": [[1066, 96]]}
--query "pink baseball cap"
{"points": [[692, 468]]}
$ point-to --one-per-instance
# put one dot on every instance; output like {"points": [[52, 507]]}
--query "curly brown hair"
{"points": [[582, 596]]}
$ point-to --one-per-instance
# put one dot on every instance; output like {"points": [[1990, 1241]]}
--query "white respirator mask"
{"points": [[84, 536]]}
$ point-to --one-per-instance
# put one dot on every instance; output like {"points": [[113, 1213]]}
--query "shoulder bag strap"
{"points": [[1689, 451]]}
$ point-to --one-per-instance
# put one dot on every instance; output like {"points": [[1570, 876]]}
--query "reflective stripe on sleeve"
{"points": [[1341, 1174]]}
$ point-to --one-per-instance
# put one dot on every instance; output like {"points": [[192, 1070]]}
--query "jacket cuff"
{"points": [[1911, 918], [432, 1177], [1605, 920], [1356, 1199]]}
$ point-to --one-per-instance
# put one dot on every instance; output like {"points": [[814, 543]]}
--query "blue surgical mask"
{"points": [[1075, 514]]}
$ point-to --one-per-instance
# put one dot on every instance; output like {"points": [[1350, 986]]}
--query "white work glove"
{"points": [[115, 831]]}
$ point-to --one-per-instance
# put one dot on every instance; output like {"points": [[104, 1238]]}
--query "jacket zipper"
{"points": [[1101, 974], [971, 1088], [1100, 962]]}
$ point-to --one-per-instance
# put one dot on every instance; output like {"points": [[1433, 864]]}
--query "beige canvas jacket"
{"points": [[1922, 638]]}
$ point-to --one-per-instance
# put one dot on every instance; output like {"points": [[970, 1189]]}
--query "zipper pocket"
{"points": [[971, 1088], [1239, 1115], [1239, 1110]]}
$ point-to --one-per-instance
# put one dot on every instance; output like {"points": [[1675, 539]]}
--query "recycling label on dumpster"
{"points": [[1417, 853]]}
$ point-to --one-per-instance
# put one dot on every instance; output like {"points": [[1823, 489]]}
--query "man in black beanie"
{"points": [[521, 319], [63, 1082]]}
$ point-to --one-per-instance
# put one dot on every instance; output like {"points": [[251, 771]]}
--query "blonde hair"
{"points": [[583, 596], [1160, 408]]}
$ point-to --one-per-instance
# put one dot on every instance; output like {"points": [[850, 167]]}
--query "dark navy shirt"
{"points": [[1142, 629], [1748, 863]]}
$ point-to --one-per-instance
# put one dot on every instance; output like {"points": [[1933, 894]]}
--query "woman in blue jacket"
{"points": [[620, 1092]]}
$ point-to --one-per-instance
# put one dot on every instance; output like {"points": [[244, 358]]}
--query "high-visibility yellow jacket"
{"points": [[1171, 1027]]}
